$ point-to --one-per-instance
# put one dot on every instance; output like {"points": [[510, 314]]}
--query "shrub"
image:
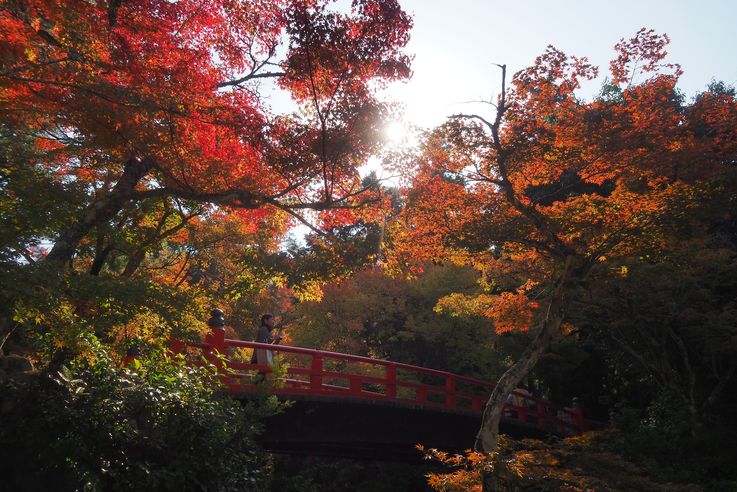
{"points": [[160, 425]]}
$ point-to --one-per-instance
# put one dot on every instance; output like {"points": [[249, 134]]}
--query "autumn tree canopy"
{"points": [[162, 105]]}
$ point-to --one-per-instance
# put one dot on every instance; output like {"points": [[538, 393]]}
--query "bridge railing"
{"points": [[331, 374]]}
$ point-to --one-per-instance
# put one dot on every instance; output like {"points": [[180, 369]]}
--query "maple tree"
{"points": [[554, 191], [156, 101]]}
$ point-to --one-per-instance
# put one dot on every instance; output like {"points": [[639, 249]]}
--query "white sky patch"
{"points": [[374, 165], [455, 47]]}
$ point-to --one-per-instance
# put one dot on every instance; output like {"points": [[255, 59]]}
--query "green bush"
{"points": [[659, 441], [157, 426]]}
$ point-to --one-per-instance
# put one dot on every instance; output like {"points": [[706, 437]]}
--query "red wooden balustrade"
{"points": [[330, 374]]}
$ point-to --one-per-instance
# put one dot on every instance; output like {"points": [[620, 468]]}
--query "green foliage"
{"points": [[350, 248], [376, 315], [670, 325], [158, 426], [658, 440], [52, 307], [34, 200], [663, 326]]}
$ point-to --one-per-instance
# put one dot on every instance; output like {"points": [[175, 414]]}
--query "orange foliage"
{"points": [[512, 311], [555, 177], [577, 464]]}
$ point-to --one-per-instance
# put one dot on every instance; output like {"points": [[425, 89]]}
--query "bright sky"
{"points": [[455, 44]]}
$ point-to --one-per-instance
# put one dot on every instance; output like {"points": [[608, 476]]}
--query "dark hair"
{"points": [[217, 319], [265, 317]]}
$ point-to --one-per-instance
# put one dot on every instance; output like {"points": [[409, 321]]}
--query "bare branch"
{"points": [[721, 385], [301, 219], [473, 117], [478, 101], [248, 77]]}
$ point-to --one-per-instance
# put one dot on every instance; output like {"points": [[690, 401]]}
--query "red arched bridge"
{"points": [[357, 406]]}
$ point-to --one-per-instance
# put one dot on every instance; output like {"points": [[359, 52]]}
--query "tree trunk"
{"points": [[486, 439], [101, 256], [99, 211], [134, 261]]}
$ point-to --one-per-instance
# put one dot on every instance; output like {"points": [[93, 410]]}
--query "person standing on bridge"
{"points": [[266, 334]]}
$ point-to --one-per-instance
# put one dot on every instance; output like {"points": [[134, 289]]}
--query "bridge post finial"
{"points": [[217, 319], [216, 337]]}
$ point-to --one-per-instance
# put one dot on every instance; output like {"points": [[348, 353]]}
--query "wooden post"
{"points": [[422, 394], [217, 339], [316, 373], [176, 346], [450, 391], [356, 386], [541, 416], [578, 416], [215, 353], [477, 403], [522, 412], [391, 381]]}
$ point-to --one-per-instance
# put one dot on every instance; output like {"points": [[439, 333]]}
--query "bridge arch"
{"points": [[351, 405]]}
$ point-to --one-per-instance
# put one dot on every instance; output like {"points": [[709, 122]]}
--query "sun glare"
{"points": [[395, 132]]}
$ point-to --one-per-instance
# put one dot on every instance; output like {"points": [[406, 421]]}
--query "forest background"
{"points": [[583, 246]]}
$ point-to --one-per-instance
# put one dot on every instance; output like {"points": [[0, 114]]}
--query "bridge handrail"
{"points": [[536, 411], [356, 358]]}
